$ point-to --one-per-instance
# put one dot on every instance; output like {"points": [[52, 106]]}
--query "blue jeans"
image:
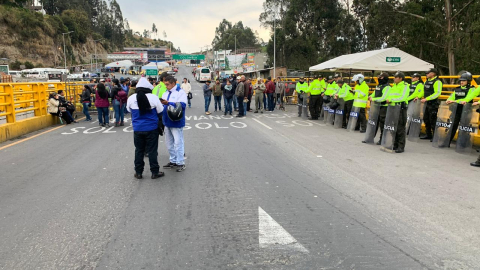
{"points": [[228, 104], [208, 99], [235, 102], [85, 111], [265, 101], [119, 111], [271, 104], [245, 105], [175, 145], [218, 100], [189, 102], [103, 115]]}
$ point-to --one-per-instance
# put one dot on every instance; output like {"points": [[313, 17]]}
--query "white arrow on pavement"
{"points": [[273, 236]]}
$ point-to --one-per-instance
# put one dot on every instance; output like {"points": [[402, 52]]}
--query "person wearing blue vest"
{"points": [[145, 109], [174, 129]]}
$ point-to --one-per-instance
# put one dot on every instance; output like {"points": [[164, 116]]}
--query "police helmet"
{"points": [[330, 77], [416, 75], [175, 113], [466, 76], [399, 74], [434, 70], [358, 77]]}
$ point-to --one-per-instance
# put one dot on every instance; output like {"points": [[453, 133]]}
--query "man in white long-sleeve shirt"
{"points": [[188, 89]]}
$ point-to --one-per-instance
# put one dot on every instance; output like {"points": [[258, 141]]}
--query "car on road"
{"points": [[171, 72]]}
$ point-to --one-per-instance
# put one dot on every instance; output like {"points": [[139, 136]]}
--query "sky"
{"points": [[190, 24]]}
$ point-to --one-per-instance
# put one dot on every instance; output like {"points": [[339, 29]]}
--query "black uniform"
{"points": [[431, 110], [383, 109]]}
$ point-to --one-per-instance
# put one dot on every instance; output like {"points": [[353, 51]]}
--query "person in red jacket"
{"points": [[270, 91]]}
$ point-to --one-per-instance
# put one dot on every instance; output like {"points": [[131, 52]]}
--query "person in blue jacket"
{"points": [[174, 129], [145, 109]]}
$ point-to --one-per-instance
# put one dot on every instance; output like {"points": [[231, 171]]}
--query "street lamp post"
{"points": [[96, 58], [235, 49], [64, 47]]}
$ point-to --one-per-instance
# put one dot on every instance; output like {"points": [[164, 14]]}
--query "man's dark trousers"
{"points": [[400, 136], [381, 121], [314, 106], [249, 101], [346, 112], [240, 106], [430, 117], [146, 142]]}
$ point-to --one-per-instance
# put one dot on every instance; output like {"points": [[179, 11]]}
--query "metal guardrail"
{"points": [[21, 100]]}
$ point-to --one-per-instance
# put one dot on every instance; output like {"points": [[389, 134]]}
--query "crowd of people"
{"points": [[237, 93]]}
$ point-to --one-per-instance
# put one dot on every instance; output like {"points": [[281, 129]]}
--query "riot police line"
{"points": [[397, 110]]}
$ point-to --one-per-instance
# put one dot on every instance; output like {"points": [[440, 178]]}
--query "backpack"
{"points": [[122, 96]]}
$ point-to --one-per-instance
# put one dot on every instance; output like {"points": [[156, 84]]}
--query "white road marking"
{"points": [[273, 236], [319, 156], [261, 123]]}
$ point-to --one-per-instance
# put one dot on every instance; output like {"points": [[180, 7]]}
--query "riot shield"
{"points": [[339, 114], [467, 129], [390, 127], [331, 116], [444, 124], [352, 121], [326, 108], [415, 126], [410, 109], [304, 106], [372, 122]]}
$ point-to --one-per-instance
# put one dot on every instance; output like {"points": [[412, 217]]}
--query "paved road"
{"points": [[263, 192]]}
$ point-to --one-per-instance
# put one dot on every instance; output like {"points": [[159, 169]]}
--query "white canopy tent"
{"points": [[153, 65], [390, 59], [119, 64]]}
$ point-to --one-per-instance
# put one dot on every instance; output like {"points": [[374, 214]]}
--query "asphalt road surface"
{"points": [[262, 192]]}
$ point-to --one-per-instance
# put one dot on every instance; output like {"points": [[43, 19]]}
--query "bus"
{"points": [[203, 74]]}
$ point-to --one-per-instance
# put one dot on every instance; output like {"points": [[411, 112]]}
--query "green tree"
{"points": [[226, 34]]}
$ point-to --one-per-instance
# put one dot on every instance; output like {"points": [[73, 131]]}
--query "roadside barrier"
{"points": [[22, 100]]}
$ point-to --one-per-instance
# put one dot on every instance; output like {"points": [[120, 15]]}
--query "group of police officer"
{"points": [[398, 109]]}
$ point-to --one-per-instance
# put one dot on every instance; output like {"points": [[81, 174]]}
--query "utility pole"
{"points": [[96, 57], [275, 43], [235, 49], [64, 48]]}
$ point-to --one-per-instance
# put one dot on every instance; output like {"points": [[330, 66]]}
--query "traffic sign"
{"points": [[151, 72], [188, 57], [4, 69]]}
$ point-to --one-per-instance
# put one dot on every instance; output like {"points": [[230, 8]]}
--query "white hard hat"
{"points": [[358, 77]]}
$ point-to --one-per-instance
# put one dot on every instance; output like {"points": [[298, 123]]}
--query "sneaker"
{"points": [[169, 165], [181, 168], [255, 112], [230, 113], [157, 175], [138, 175], [261, 111], [122, 124], [207, 113], [116, 124]]}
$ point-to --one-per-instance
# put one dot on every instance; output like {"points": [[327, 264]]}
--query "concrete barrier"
{"points": [[25, 126]]}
